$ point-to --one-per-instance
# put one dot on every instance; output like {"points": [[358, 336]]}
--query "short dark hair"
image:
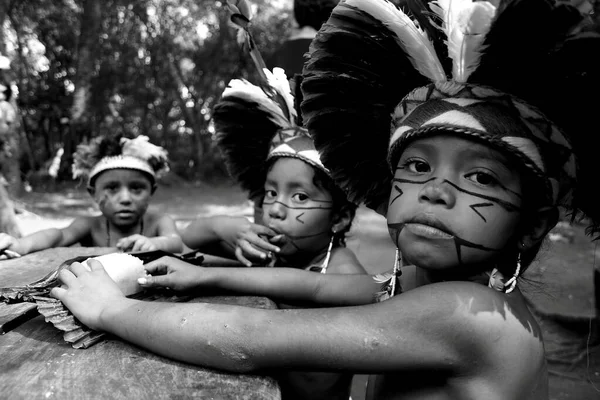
{"points": [[313, 13]]}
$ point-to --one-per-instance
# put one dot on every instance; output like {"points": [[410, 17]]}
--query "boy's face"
{"points": [[296, 207], [123, 195], [453, 202]]}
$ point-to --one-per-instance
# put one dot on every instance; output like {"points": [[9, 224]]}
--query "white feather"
{"points": [[465, 23], [141, 148], [244, 90], [280, 83], [409, 35]]}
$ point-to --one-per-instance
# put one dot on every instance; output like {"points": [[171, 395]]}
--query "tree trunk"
{"points": [[89, 35]]}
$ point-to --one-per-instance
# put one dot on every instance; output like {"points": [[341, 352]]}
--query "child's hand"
{"points": [[172, 273], [253, 241], [9, 247], [87, 293], [136, 242]]}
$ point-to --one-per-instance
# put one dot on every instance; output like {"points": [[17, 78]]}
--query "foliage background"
{"points": [[81, 68]]}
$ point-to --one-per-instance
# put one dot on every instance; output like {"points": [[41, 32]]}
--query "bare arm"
{"points": [[169, 238], [231, 237], [427, 328], [48, 238], [284, 284]]}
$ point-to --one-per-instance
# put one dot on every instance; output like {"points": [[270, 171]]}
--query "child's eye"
{"points": [[136, 188], [301, 197], [482, 178], [417, 166], [270, 194]]}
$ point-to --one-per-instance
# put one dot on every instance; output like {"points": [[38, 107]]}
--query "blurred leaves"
{"points": [[157, 68]]}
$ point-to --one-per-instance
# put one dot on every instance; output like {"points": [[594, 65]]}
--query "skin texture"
{"points": [[123, 197], [448, 337], [299, 220]]}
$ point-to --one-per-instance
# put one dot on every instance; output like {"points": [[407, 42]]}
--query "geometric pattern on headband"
{"points": [[296, 143], [504, 121]]}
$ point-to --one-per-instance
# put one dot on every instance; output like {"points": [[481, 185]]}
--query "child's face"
{"points": [[453, 202], [122, 195], [295, 207]]}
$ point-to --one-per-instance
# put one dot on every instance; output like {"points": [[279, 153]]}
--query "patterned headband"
{"points": [[252, 128], [106, 153], [479, 69]]}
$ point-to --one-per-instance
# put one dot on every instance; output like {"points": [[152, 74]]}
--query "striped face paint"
{"points": [[453, 202], [295, 207]]}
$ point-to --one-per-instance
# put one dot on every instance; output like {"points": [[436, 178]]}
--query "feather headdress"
{"points": [[511, 72], [103, 153], [252, 128], [257, 123]]}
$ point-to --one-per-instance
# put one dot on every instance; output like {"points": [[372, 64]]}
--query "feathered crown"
{"points": [[255, 124], [114, 152], [252, 128], [495, 71]]}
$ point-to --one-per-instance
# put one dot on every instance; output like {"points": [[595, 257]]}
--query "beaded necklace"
{"points": [[108, 231]]}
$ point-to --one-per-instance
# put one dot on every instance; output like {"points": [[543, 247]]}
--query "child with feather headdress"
{"points": [[121, 176], [491, 131]]}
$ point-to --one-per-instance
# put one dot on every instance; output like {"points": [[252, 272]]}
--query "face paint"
{"points": [[453, 202], [295, 207], [123, 196]]}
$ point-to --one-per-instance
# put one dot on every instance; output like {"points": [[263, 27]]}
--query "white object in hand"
{"points": [[124, 269]]}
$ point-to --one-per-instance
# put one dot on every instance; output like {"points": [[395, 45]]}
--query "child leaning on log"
{"points": [[483, 149], [121, 176]]}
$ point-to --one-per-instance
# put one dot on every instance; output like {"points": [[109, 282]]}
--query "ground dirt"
{"points": [[560, 285]]}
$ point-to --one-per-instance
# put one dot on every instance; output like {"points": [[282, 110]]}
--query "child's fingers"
{"points": [[10, 254], [280, 239], [58, 292], [252, 251], [95, 265], [78, 268], [67, 277], [154, 281], [157, 267], [125, 243], [240, 256], [263, 244]]}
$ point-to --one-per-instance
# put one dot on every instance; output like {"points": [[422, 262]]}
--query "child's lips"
{"points": [[279, 239]]}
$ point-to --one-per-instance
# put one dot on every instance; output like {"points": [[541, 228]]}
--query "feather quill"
{"points": [[409, 35], [281, 85], [241, 16], [465, 23], [246, 91]]}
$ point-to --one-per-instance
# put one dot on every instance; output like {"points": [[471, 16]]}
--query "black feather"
{"points": [[352, 81], [244, 134]]}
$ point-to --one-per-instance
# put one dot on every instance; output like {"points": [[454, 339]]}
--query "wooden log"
{"points": [[36, 362]]}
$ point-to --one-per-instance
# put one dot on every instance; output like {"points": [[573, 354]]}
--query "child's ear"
{"points": [[546, 219], [341, 220], [91, 190], [154, 187]]}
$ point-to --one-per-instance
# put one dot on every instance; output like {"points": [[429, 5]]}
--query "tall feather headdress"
{"points": [[257, 123], [515, 73], [103, 153]]}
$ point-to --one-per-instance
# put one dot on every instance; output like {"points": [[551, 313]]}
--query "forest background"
{"points": [[82, 68]]}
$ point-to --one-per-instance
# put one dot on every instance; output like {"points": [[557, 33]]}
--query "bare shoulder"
{"points": [[488, 310], [344, 261], [495, 334]]}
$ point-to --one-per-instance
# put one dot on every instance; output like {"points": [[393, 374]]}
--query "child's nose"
{"points": [[125, 196], [438, 192], [277, 210]]}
